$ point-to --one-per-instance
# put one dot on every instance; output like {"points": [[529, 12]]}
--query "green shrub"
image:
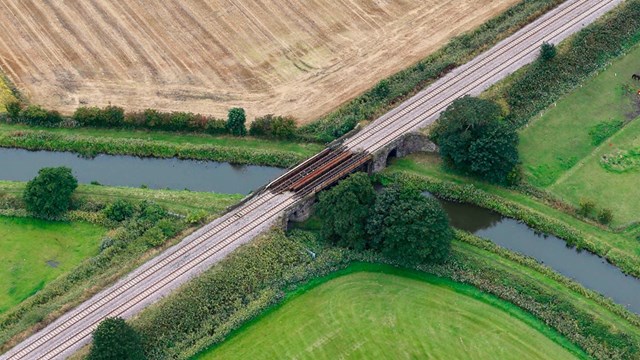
{"points": [[48, 195], [114, 339], [275, 127], [547, 51], [36, 115], [605, 216], [13, 109], [586, 207], [119, 210], [236, 122], [154, 237]]}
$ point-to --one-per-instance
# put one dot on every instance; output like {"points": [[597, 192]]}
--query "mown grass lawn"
{"points": [[34, 252], [558, 148], [402, 315]]}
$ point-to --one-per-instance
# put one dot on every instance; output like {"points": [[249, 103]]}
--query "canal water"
{"points": [[588, 269], [210, 176]]}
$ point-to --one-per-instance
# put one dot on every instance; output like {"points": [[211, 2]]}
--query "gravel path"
{"points": [[200, 250]]}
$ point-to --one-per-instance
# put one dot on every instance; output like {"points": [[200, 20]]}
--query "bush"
{"points": [[48, 195], [114, 339], [586, 207], [275, 127], [38, 116], [547, 51], [13, 109], [344, 211], [605, 216], [474, 140], [119, 210], [236, 122], [409, 227]]}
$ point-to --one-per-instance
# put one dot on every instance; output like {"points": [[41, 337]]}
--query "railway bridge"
{"points": [[393, 134]]}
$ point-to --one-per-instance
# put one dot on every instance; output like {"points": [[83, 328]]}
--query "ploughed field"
{"points": [[299, 58], [378, 315]]}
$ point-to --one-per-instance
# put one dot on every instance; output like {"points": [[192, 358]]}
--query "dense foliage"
{"points": [[48, 195], [473, 139], [399, 222], [345, 210], [236, 122], [405, 83], [543, 82], [274, 127], [32, 114], [119, 210], [114, 339], [409, 227], [547, 51]]}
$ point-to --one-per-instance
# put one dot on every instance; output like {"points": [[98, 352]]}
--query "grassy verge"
{"points": [[90, 142], [620, 248], [379, 311], [124, 247], [34, 252]]}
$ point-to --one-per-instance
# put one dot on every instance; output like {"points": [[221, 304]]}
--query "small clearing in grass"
{"points": [[395, 316]]}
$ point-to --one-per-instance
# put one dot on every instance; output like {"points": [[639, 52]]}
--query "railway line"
{"points": [[204, 247]]}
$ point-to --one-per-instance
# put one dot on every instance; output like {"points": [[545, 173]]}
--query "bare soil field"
{"points": [[291, 57]]}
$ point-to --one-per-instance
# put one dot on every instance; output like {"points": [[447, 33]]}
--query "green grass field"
{"points": [[395, 316], [561, 149], [26, 245]]}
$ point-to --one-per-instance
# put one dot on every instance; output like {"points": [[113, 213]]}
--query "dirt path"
{"points": [[295, 57]]}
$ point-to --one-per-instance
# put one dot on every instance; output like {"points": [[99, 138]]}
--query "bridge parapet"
{"points": [[409, 143]]}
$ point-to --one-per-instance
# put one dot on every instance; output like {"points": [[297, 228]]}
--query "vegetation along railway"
{"points": [[200, 250]]}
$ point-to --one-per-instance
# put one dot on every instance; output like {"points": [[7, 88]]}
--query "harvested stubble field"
{"points": [[300, 58]]}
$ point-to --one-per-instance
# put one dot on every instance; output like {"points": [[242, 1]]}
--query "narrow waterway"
{"points": [[588, 269], [23, 165]]}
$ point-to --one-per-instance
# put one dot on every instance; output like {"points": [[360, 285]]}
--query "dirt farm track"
{"points": [[293, 57]]}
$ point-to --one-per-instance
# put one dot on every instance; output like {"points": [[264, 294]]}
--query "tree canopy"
{"points": [[236, 122], [344, 211], [407, 226], [473, 139], [48, 195], [114, 339]]}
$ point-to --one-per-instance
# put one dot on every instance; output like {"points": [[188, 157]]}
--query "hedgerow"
{"points": [[400, 86], [92, 146], [260, 274], [540, 84]]}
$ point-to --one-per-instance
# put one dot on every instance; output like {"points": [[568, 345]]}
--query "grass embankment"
{"points": [[620, 248], [90, 142], [375, 311], [563, 149], [179, 201], [33, 252]]}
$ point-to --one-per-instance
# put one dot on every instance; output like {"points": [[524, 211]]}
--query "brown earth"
{"points": [[292, 57]]}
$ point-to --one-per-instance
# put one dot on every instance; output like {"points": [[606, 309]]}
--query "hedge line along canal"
{"points": [[588, 269], [23, 165]]}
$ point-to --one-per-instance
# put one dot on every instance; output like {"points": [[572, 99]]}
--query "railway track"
{"points": [[209, 244]]}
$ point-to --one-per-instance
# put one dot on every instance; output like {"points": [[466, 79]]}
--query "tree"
{"points": [[408, 226], [547, 51], [236, 122], [344, 211], [473, 139], [48, 195], [114, 339]]}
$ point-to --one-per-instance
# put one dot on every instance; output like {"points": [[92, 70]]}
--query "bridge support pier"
{"points": [[408, 144], [299, 212]]}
